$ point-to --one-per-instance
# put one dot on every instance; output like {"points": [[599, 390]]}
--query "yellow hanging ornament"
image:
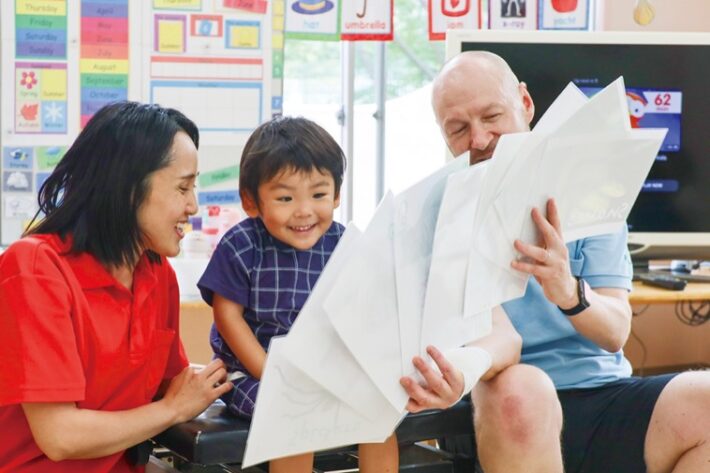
{"points": [[644, 12]]}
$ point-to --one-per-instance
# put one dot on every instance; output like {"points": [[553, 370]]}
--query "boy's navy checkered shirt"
{"points": [[270, 279]]}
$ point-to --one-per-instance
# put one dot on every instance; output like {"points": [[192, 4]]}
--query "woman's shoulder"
{"points": [[32, 244], [31, 251]]}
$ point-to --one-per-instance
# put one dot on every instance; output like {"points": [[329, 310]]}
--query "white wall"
{"points": [[671, 15]]}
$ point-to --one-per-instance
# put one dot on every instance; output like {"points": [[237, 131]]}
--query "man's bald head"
{"points": [[476, 97], [468, 69]]}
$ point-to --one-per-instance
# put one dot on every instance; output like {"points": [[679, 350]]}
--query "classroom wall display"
{"points": [[278, 24], [213, 62], [453, 15], [367, 20], [313, 19], [103, 51], [40, 29], [40, 97], [564, 14], [218, 61], [512, 14]]}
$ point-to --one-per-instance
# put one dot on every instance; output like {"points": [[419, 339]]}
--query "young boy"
{"points": [[263, 270]]}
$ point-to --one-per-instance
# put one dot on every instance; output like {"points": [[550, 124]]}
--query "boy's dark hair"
{"points": [[288, 143], [97, 187]]}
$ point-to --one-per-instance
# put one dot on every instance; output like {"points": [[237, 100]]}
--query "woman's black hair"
{"points": [[95, 191], [288, 143]]}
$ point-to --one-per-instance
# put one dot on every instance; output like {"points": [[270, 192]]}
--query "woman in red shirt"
{"points": [[89, 306]]}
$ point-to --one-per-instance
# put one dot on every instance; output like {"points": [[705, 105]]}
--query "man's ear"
{"points": [[249, 204], [528, 104]]}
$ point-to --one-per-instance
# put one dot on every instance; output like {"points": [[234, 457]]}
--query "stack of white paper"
{"points": [[432, 264], [585, 155]]}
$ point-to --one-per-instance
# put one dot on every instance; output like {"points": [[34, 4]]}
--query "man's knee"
{"points": [[519, 404], [685, 404], [679, 420]]}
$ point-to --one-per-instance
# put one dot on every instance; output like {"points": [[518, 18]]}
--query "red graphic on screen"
{"points": [[29, 112], [564, 6], [637, 108]]}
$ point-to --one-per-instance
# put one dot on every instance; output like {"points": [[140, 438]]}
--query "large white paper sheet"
{"points": [[489, 278], [596, 190], [444, 324], [518, 147], [513, 202], [335, 379], [362, 305], [593, 152], [487, 283], [584, 154], [416, 211], [294, 415], [562, 108], [314, 346], [607, 111]]}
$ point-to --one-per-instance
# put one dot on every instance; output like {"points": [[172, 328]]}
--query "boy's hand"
{"points": [[441, 390]]}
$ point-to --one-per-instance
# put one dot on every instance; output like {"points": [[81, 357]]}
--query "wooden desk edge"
{"points": [[644, 294]]}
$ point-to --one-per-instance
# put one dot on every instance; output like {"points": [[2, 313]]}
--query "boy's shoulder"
{"points": [[330, 238], [247, 233], [336, 230]]}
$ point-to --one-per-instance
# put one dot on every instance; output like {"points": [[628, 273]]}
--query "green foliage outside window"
{"points": [[312, 68]]}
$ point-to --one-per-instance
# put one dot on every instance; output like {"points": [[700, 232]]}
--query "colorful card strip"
{"points": [[104, 55]]}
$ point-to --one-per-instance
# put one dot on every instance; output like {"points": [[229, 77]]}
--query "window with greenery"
{"points": [[312, 88]]}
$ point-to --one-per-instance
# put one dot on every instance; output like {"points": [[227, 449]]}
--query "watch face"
{"points": [[582, 292], [583, 303]]}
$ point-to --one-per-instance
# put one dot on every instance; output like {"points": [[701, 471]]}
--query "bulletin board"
{"points": [[218, 61]]}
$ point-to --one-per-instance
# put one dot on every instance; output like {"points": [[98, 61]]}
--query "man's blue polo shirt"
{"points": [[550, 342]]}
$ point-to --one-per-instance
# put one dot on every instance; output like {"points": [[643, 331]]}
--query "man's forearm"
{"points": [[607, 320]]}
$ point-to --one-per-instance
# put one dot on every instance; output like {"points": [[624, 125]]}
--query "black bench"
{"points": [[219, 438]]}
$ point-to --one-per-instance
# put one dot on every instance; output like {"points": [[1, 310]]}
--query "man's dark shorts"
{"points": [[604, 428]]}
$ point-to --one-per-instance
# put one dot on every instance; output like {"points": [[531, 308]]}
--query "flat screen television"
{"points": [[667, 76]]}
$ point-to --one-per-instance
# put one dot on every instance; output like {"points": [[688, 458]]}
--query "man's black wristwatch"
{"points": [[583, 302]]}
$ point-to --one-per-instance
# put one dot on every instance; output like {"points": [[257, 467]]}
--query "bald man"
{"points": [[573, 319]]}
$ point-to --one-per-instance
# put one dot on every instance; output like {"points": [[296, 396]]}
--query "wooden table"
{"points": [[659, 341], [644, 294]]}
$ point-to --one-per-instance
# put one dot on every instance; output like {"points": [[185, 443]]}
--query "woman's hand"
{"points": [[65, 432], [441, 390], [192, 391]]}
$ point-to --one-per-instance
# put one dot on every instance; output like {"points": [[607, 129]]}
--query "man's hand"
{"points": [[549, 262], [440, 390]]}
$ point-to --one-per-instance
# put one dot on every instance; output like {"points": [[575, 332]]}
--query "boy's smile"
{"points": [[296, 207]]}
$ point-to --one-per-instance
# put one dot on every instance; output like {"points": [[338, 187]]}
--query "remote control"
{"points": [[663, 280]]}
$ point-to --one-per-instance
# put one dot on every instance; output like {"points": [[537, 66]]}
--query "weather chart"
{"points": [[218, 61], [40, 85]]}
